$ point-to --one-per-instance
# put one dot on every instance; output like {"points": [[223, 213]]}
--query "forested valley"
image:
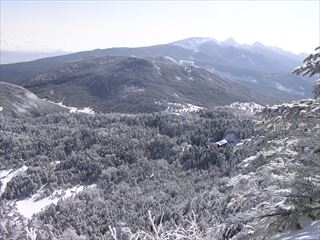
{"points": [[160, 175]]}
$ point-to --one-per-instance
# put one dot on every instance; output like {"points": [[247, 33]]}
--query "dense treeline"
{"points": [[63, 149], [162, 163], [158, 162]]}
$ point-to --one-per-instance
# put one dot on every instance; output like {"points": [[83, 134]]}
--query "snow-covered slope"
{"points": [[246, 106], [179, 108], [86, 110], [7, 175], [277, 173], [311, 232], [17, 101], [193, 43], [29, 206]]}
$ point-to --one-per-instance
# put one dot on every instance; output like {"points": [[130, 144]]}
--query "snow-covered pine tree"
{"points": [[311, 67]]}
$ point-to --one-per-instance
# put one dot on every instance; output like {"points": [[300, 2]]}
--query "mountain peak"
{"points": [[258, 44], [193, 42], [230, 42]]}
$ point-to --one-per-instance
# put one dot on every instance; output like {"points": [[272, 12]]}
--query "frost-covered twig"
{"points": [[113, 232], [191, 232]]}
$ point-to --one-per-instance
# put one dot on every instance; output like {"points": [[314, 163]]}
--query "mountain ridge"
{"points": [[132, 84], [259, 68]]}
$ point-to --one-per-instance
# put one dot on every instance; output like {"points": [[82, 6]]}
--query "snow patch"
{"points": [[1, 108], [191, 108], [55, 163], [312, 232], [29, 206], [85, 110], [32, 96], [246, 106], [171, 59], [179, 108], [246, 162], [7, 175], [157, 68], [186, 63], [188, 70], [18, 108]]}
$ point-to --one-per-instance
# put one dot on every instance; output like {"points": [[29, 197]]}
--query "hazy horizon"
{"points": [[71, 26]]}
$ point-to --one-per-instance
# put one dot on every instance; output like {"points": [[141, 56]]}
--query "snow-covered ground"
{"points": [[246, 106], [171, 59], [7, 175], [301, 103], [267, 175], [85, 110], [192, 43], [311, 232], [157, 68], [304, 107], [55, 163], [1, 108], [179, 108], [186, 63], [29, 206]]}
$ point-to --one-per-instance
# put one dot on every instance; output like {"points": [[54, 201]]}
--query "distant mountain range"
{"points": [[19, 56], [261, 68], [133, 84]]}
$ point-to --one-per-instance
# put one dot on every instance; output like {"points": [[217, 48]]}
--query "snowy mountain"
{"points": [[230, 42], [193, 43], [259, 67]]}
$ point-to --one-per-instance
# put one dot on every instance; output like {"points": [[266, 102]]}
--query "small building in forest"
{"points": [[229, 138], [221, 143]]}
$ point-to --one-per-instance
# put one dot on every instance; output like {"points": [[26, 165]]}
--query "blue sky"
{"points": [[85, 25]]}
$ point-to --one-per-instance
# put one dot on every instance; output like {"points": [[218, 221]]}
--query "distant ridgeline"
{"points": [[264, 69]]}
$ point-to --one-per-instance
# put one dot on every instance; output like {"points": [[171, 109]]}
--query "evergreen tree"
{"points": [[310, 67]]}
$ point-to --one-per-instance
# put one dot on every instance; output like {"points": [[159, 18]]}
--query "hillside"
{"points": [[259, 67], [16, 101], [102, 173], [132, 84]]}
